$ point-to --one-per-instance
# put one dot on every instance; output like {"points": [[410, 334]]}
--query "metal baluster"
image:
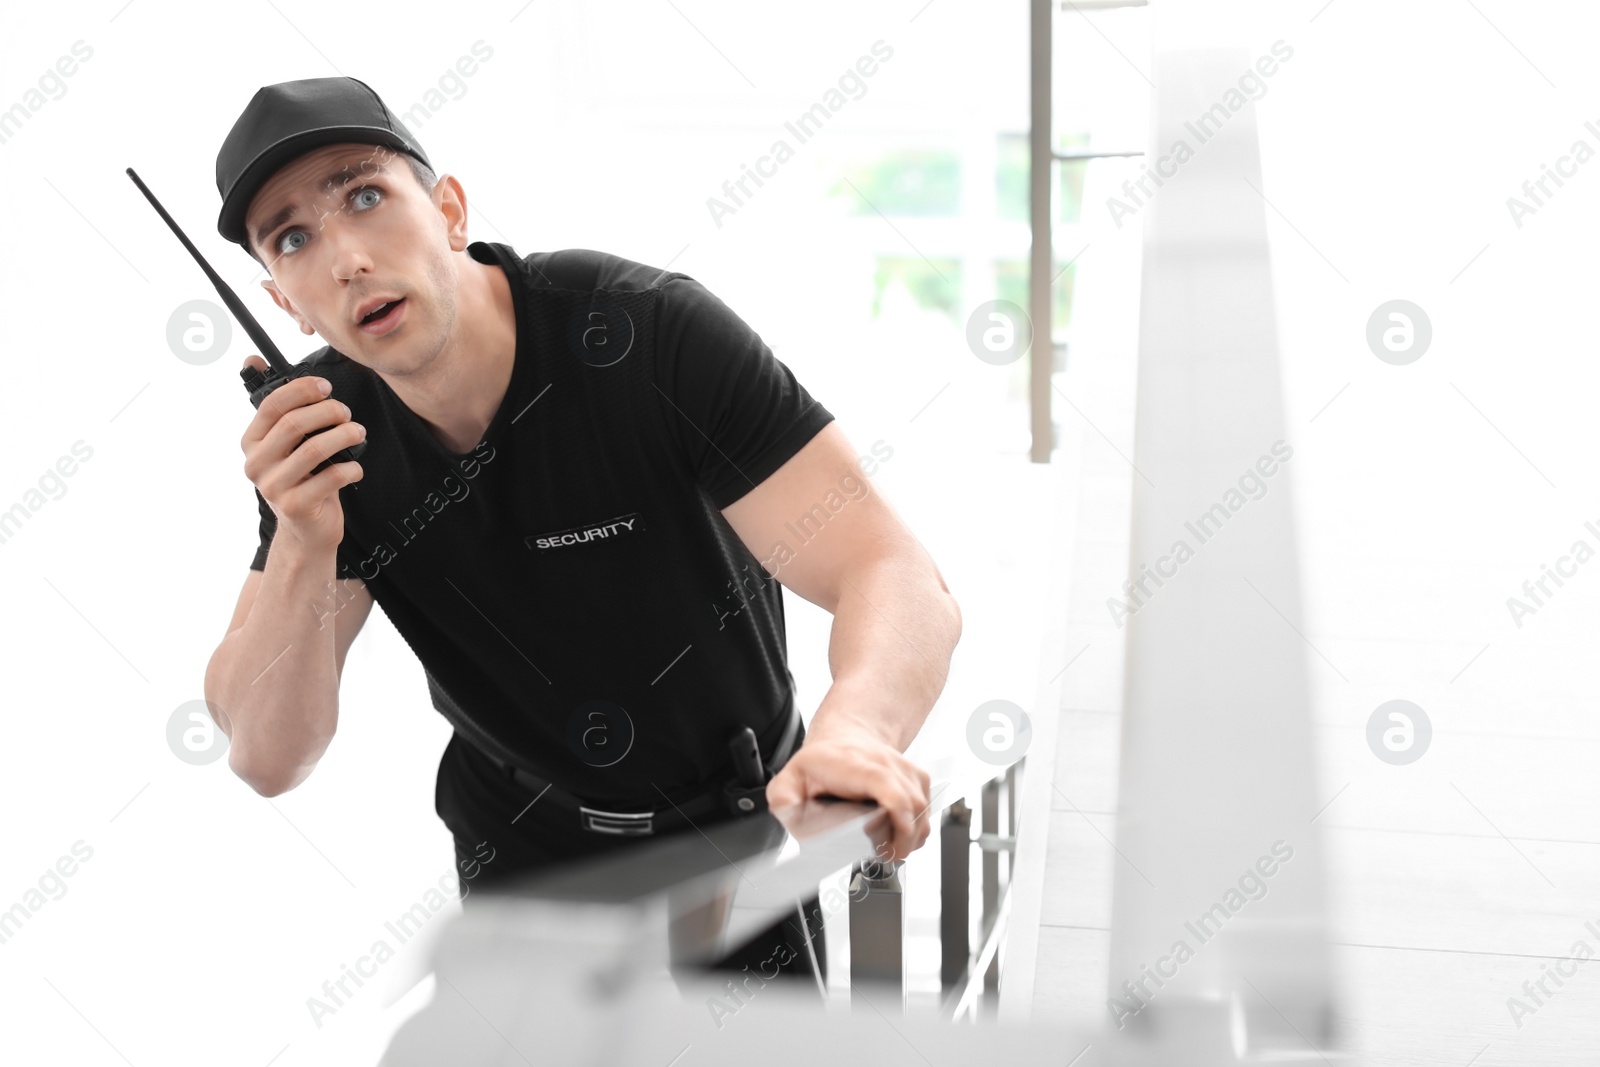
{"points": [[955, 903], [989, 1002], [991, 858], [877, 933]]}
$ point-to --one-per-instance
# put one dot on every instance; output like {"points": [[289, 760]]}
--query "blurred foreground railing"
{"points": [[598, 963], [565, 945]]}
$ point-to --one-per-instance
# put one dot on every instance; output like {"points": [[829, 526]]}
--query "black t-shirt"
{"points": [[577, 601]]}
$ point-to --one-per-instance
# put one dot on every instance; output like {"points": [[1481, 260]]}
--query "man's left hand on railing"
{"points": [[856, 764]]}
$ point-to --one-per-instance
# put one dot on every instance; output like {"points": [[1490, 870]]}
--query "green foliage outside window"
{"points": [[936, 289], [926, 183], [1011, 179], [1011, 283]]}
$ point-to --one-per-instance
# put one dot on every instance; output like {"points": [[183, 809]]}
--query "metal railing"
{"points": [[971, 927], [599, 932]]}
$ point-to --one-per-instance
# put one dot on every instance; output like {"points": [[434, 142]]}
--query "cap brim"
{"points": [[236, 205]]}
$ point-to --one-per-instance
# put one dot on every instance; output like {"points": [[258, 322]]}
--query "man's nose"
{"points": [[349, 249]]}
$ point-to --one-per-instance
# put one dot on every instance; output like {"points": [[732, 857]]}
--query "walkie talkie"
{"points": [[279, 371]]}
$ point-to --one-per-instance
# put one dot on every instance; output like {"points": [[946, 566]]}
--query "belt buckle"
{"points": [[622, 823]]}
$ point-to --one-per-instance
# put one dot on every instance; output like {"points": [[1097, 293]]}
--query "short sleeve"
{"points": [[734, 409], [269, 526]]}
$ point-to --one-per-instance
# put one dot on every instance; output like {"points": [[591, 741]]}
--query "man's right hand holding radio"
{"points": [[279, 456]]}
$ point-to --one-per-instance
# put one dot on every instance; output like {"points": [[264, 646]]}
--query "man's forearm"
{"points": [[278, 729], [895, 627]]}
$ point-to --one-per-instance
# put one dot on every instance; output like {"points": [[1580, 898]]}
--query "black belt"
{"points": [[741, 795]]}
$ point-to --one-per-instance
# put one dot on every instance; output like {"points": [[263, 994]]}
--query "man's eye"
{"points": [[354, 194]]}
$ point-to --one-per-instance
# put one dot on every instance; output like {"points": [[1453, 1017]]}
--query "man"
{"points": [[580, 475]]}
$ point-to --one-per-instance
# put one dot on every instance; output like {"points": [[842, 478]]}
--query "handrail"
{"points": [[752, 867], [613, 924]]}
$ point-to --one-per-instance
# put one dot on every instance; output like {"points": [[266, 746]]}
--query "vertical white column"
{"points": [[1218, 927]]}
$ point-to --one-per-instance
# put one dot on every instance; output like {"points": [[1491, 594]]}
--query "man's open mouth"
{"points": [[383, 310]]}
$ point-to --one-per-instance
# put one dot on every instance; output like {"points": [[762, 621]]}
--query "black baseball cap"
{"points": [[289, 119]]}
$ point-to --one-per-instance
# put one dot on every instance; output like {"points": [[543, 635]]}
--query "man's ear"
{"points": [[450, 200], [282, 301]]}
